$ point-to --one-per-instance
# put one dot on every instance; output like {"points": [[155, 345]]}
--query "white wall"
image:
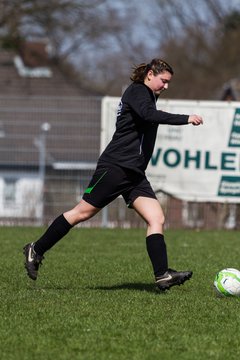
{"points": [[27, 200]]}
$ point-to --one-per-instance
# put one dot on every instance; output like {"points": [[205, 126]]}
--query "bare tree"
{"points": [[102, 40], [96, 36], [67, 24], [202, 50]]}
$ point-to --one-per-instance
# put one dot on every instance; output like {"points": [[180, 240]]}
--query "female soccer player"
{"points": [[121, 171]]}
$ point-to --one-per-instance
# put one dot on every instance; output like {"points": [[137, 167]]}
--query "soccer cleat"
{"points": [[33, 260], [171, 278]]}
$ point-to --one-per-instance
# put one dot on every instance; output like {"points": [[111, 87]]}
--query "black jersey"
{"points": [[137, 122]]}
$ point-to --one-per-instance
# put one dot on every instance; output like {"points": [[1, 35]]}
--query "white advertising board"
{"points": [[194, 163]]}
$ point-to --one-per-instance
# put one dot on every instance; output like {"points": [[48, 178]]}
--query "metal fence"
{"points": [[49, 147]]}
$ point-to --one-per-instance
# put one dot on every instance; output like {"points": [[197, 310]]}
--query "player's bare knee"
{"points": [[157, 221], [160, 220], [78, 215], [83, 216]]}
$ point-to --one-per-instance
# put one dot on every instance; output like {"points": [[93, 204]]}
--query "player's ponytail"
{"points": [[156, 65]]}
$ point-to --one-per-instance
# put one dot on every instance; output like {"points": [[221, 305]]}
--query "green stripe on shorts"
{"points": [[89, 189]]}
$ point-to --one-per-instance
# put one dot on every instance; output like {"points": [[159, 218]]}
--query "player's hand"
{"points": [[195, 120]]}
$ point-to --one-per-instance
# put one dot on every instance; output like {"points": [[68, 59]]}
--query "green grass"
{"points": [[95, 298]]}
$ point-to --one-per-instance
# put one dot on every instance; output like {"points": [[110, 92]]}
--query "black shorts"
{"points": [[109, 182]]}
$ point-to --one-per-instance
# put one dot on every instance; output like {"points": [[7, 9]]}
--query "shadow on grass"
{"points": [[130, 286], [125, 286]]}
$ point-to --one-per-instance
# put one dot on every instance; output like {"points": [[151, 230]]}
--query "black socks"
{"points": [[156, 246], [56, 231], [157, 252]]}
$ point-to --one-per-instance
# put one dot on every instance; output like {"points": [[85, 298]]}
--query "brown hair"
{"points": [[156, 65]]}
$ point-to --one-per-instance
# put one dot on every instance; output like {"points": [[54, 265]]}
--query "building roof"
{"points": [[32, 71], [34, 93]]}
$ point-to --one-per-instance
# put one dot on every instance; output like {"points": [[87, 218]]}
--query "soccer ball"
{"points": [[227, 282]]}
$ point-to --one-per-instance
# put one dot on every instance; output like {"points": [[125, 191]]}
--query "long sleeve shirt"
{"points": [[137, 122]]}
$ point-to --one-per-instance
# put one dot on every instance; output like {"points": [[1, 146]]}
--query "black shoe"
{"points": [[33, 260], [171, 278]]}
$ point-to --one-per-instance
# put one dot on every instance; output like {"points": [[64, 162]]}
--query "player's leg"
{"points": [[97, 197], [151, 211], [62, 224], [105, 185], [56, 231]]}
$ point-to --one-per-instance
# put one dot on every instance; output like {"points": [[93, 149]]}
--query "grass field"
{"points": [[95, 298]]}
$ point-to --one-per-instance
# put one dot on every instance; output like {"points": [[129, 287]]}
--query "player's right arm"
{"points": [[195, 119]]}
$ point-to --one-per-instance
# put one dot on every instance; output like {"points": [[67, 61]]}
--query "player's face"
{"points": [[158, 83]]}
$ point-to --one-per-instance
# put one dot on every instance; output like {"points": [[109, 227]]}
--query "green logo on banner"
{"points": [[229, 186], [234, 140]]}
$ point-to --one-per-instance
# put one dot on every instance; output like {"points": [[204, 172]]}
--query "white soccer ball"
{"points": [[227, 282]]}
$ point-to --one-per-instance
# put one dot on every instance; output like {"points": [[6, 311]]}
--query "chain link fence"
{"points": [[49, 147]]}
